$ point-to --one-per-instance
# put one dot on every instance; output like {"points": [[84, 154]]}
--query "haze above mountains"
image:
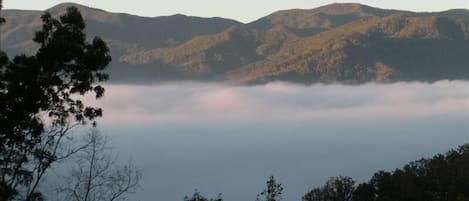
{"points": [[347, 43]]}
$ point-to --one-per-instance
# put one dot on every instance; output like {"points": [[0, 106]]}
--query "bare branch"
{"points": [[97, 177]]}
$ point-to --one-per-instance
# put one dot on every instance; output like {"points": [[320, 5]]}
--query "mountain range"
{"points": [[337, 43]]}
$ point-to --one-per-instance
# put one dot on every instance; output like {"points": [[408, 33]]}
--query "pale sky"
{"points": [[241, 10]]}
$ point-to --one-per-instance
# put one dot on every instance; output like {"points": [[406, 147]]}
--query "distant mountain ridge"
{"points": [[347, 43], [120, 28]]}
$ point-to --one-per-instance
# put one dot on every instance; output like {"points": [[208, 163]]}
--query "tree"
{"points": [[336, 189], [39, 94], [198, 197], [364, 192], [443, 177], [2, 20], [272, 192], [96, 176]]}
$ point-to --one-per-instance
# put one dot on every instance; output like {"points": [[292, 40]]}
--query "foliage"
{"points": [[198, 197], [336, 189], [38, 89], [272, 192], [441, 178], [2, 20]]}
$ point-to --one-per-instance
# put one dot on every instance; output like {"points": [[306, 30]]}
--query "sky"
{"points": [[241, 10]]}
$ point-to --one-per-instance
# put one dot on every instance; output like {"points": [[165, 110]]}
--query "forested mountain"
{"points": [[310, 21], [125, 32], [348, 43]]}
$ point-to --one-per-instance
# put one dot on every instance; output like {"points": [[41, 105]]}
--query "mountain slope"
{"points": [[118, 28], [311, 21], [348, 43], [397, 47]]}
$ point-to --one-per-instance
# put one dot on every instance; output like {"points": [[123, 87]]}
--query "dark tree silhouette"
{"points": [[38, 89], [336, 189], [2, 20], [198, 197], [443, 177], [364, 192], [272, 192]]}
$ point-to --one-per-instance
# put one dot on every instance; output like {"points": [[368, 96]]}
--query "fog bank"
{"points": [[192, 103]]}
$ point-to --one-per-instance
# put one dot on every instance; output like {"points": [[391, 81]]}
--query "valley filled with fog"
{"points": [[227, 139]]}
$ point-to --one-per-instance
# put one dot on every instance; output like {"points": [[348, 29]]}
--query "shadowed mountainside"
{"points": [[123, 31], [348, 43]]}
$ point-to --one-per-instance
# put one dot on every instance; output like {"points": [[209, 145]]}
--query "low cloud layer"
{"points": [[192, 103]]}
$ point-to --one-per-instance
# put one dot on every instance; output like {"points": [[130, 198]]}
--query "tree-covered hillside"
{"points": [[347, 43]]}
